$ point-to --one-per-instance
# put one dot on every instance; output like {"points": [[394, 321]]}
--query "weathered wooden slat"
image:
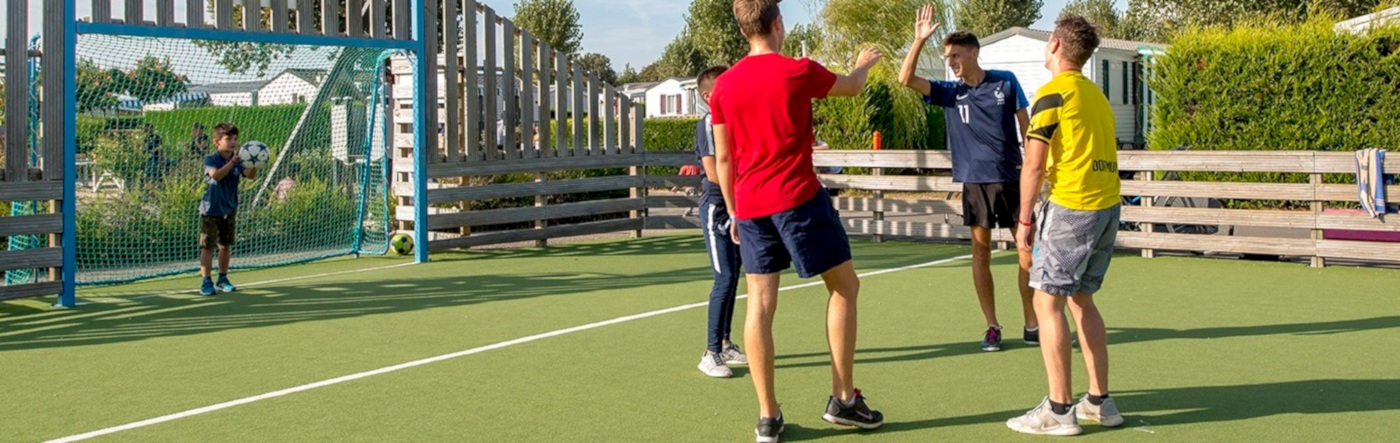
{"points": [[194, 13], [101, 11], [355, 18], [1347, 193], [895, 207], [135, 12], [473, 121], [672, 222], [1254, 191], [403, 19], [379, 20], [1217, 244], [306, 13], [31, 225], [527, 96], [892, 183], [533, 213], [51, 112], [672, 181], [640, 147], [531, 189], [509, 96], [252, 15], [1356, 222], [17, 95], [547, 149], [625, 112], [165, 13], [280, 16], [492, 140], [430, 81], [661, 158], [1359, 250], [1218, 217], [573, 230], [562, 105], [580, 128], [531, 166], [672, 201], [610, 120], [595, 140], [451, 69], [1216, 161], [917, 229], [31, 258], [30, 290], [884, 159], [330, 17]]}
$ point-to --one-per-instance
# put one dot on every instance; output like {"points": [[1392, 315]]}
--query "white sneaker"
{"points": [[1041, 420], [1105, 414], [733, 356], [713, 365]]}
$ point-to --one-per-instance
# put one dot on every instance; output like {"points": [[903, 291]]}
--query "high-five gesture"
{"points": [[924, 25], [867, 58]]}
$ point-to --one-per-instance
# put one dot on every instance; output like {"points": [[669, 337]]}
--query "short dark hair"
{"points": [[756, 17], [962, 38], [1078, 38], [707, 78], [225, 129]]}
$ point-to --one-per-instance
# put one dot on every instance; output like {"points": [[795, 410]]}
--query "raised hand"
{"points": [[867, 58], [924, 25]]}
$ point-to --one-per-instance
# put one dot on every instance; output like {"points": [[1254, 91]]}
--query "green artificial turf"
{"points": [[1200, 350]]}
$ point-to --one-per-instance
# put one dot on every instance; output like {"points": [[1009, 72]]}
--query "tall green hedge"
{"points": [[1279, 87], [1275, 87]]}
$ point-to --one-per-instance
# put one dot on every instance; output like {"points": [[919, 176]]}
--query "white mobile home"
{"points": [[673, 97], [1116, 67]]}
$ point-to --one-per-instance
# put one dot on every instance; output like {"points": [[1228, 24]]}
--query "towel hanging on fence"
{"points": [[1370, 180]]}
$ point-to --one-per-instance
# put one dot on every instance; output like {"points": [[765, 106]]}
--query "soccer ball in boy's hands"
{"points": [[402, 244], [254, 154]]}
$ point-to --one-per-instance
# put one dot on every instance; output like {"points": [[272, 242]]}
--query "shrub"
{"points": [[1266, 86]]}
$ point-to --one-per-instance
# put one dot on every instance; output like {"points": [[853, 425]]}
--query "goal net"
{"points": [[147, 109]]}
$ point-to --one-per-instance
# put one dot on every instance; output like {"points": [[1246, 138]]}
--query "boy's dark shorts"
{"points": [[810, 236], [991, 205], [216, 231]]}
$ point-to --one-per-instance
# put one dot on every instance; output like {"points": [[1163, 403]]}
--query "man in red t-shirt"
{"points": [[762, 115]]}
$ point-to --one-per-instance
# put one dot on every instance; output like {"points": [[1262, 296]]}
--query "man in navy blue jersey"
{"points": [[986, 118]]}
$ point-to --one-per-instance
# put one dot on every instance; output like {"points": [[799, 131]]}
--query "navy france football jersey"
{"points": [[705, 147], [982, 129]]}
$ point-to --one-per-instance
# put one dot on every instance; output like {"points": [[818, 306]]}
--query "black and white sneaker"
{"points": [[857, 414], [1032, 337], [768, 429]]}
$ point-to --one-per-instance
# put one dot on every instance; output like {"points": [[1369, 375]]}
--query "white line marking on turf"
{"points": [[279, 280], [429, 360]]}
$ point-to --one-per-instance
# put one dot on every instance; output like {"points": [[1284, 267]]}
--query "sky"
{"points": [[627, 31]]}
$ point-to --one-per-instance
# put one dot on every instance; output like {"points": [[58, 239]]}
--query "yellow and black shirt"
{"points": [[1075, 118]]}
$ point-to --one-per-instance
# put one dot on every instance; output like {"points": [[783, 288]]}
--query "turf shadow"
{"points": [[1204, 404], [1117, 336]]}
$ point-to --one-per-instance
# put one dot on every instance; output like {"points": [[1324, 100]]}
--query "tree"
{"points": [[680, 59], [802, 36], [1158, 20], [599, 65], [650, 73], [987, 17], [715, 33], [629, 75], [152, 79], [1098, 12], [554, 22], [97, 87]]}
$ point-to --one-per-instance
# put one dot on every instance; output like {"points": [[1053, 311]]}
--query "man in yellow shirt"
{"points": [[1071, 145]]}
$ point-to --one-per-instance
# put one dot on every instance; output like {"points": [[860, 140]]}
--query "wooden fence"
{"points": [[512, 105], [23, 180], [930, 207]]}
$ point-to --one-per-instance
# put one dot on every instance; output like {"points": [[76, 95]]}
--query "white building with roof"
{"points": [[1117, 67]]}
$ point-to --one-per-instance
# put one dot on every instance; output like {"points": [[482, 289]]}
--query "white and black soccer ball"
{"points": [[254, 154]]}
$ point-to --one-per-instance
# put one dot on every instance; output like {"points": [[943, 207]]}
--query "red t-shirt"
{"points": [[765, 102]]}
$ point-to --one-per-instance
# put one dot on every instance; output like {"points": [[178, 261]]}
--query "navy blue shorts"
{"points": [[810, 236]]}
